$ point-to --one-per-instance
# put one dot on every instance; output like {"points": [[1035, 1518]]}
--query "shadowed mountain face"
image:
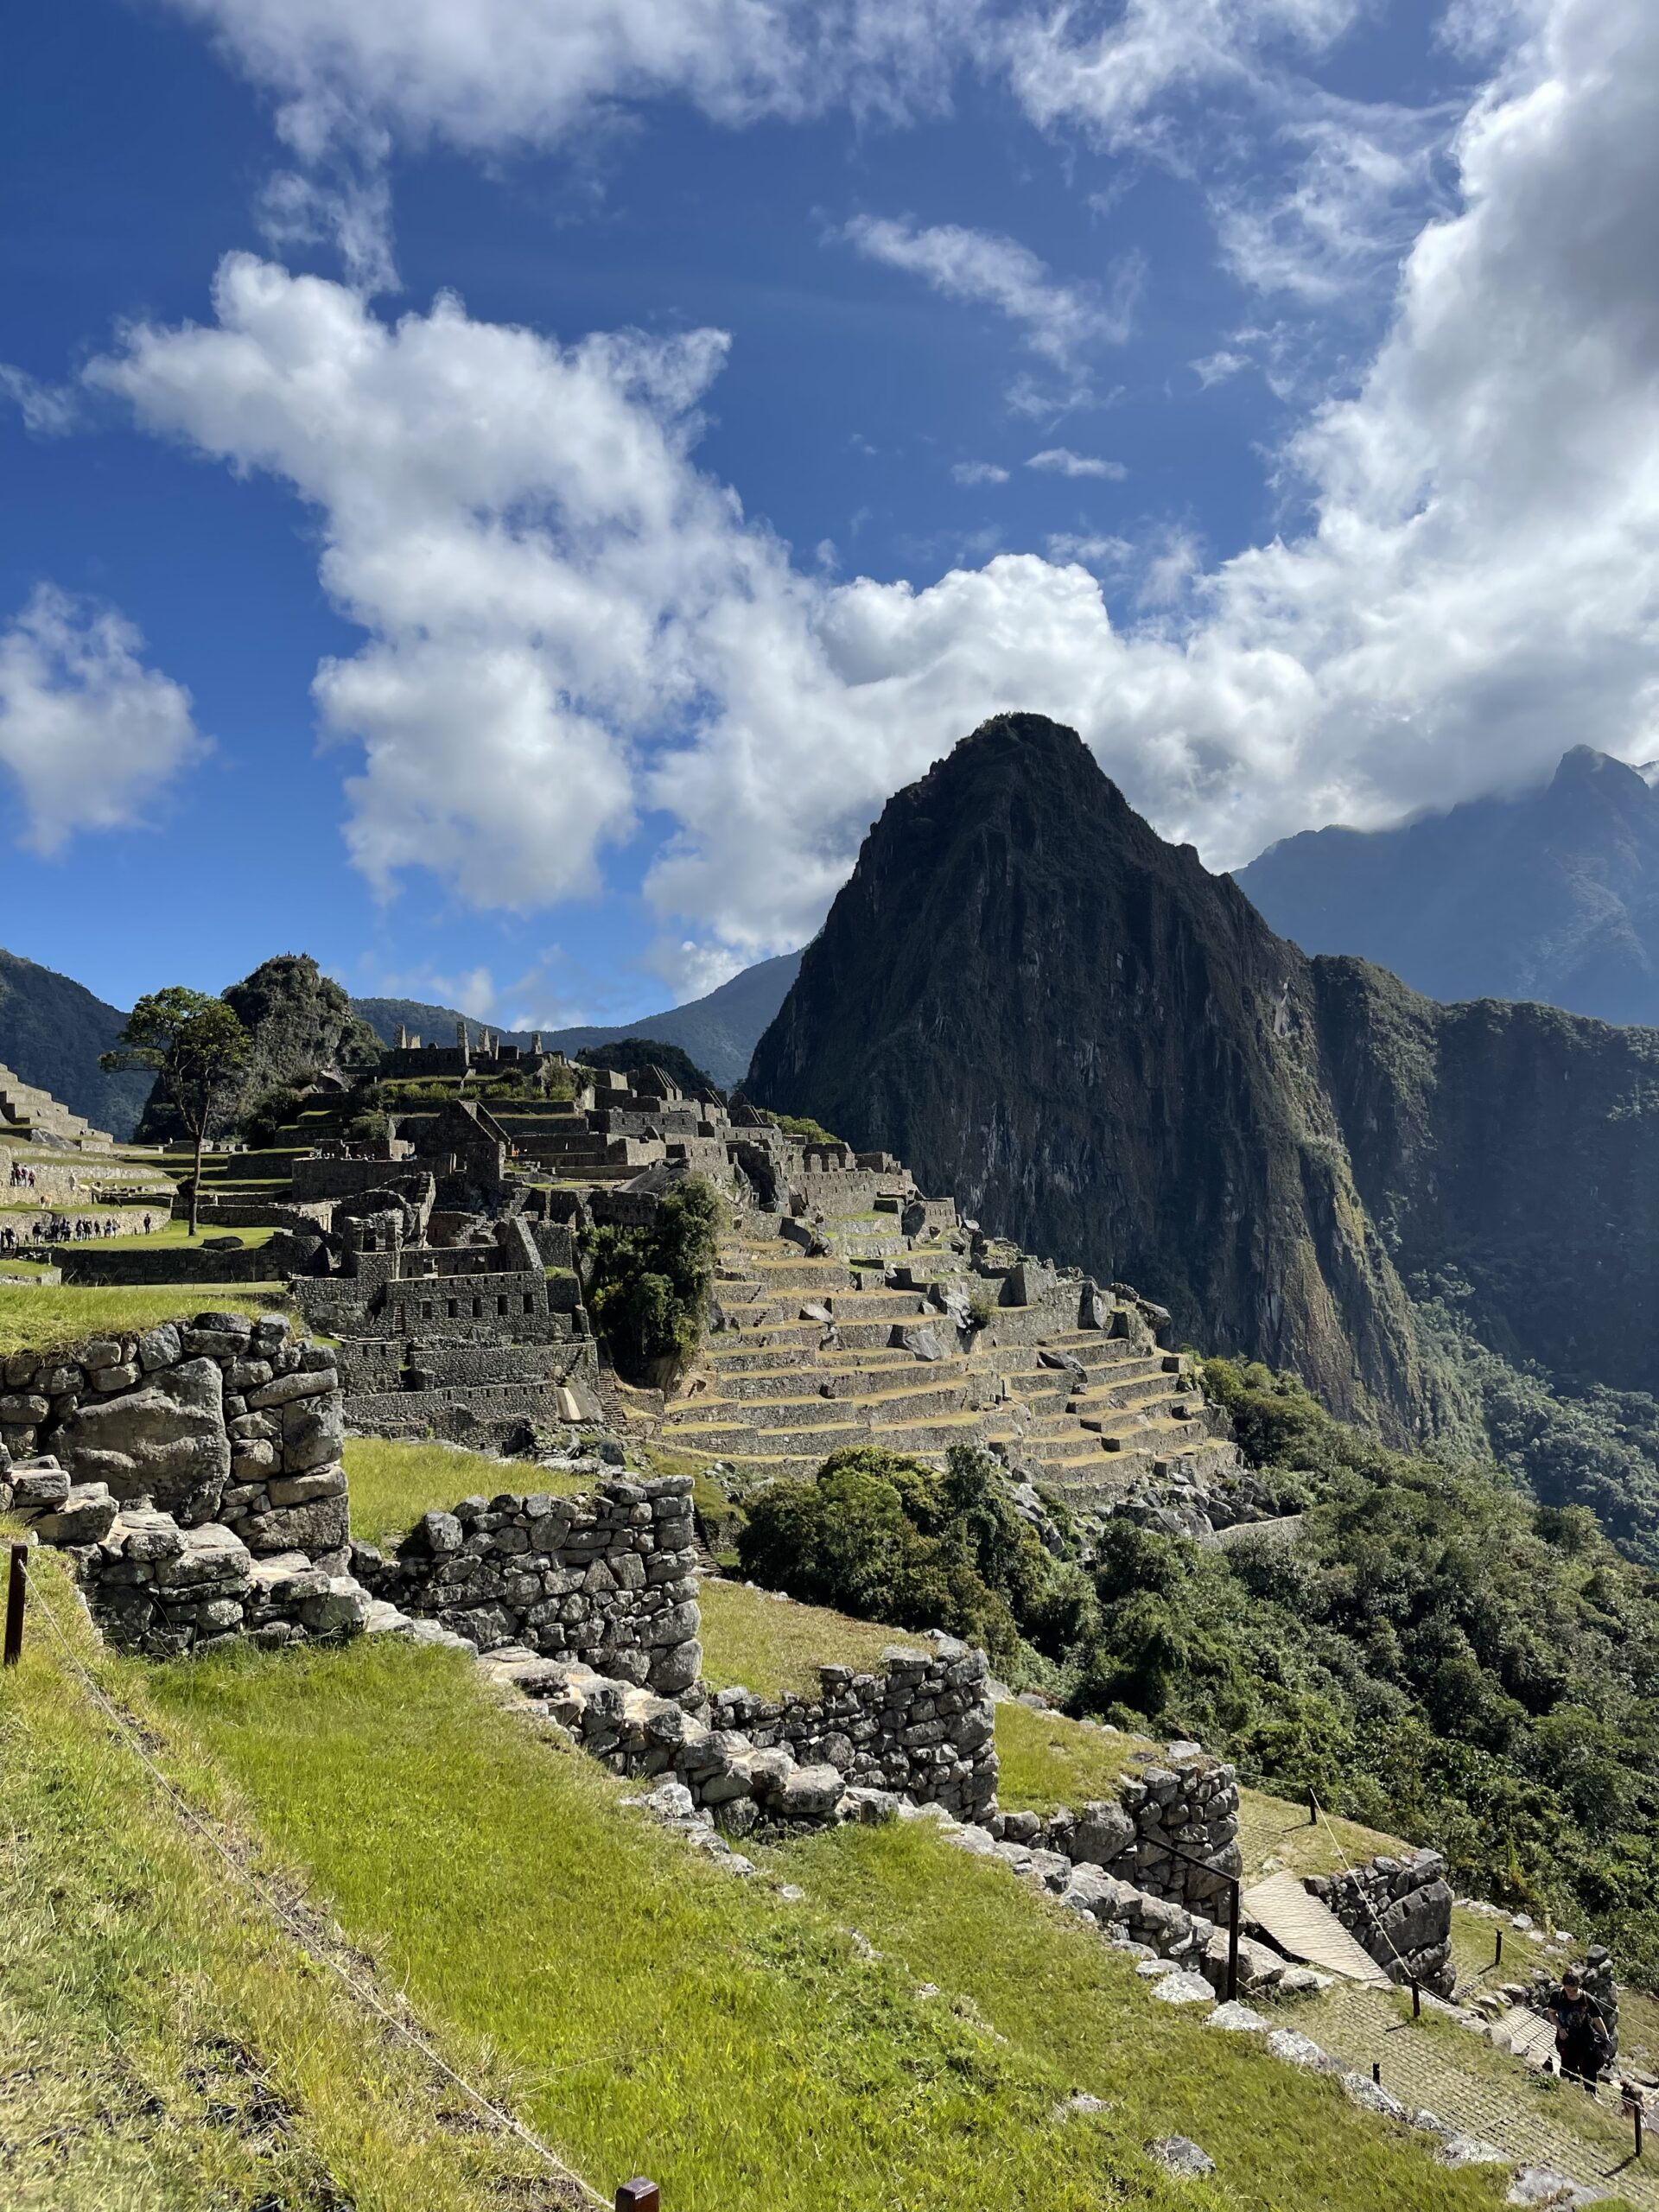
{"points": [[1105, 1052], [52, 1031], [718, 1031], [1552, 895]]}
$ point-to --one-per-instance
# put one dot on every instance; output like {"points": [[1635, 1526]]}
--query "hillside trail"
{"points": [[1434, 2063]]}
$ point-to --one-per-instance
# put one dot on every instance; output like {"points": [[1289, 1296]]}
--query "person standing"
{"points": [[1581, 2039]]}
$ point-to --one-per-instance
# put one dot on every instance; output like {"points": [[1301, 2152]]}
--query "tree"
{"points": [[198, 1048]]}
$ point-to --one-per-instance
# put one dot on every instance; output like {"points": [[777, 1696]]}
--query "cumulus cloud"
{"points": [[90, 733], [979, 472], [1063, 322], [1060, 460], [568, 623]]}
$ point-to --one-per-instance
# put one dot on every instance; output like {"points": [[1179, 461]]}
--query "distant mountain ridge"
{"points": [[719, 1032], [1552, 895]]}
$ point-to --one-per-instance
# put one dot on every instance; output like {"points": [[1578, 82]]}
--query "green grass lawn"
{"points": [[41, 1320], [751, 1638], [657, 2015], [164, 2047], [1047, 1761], [1014, 1961], [392, 1483]]}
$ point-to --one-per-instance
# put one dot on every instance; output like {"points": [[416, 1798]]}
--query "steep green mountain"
{"points": [[1104, 1051], [52, 1031], [718, 1031], [1552, 895], [302, 1023]]}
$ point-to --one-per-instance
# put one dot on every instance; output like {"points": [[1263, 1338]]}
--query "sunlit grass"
{"points": [[164, 2045], [43, 1320]]}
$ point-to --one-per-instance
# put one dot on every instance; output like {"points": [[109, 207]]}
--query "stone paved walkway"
{"points": [[1483, 2092]]}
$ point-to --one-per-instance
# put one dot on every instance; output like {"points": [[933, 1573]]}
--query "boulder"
{"points": [[165, 1440]]}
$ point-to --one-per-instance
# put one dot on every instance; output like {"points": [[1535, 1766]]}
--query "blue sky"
{"points": [[497, 497]]}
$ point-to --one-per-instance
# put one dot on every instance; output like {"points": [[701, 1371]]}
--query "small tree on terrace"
{"points": [[198, 1048]]}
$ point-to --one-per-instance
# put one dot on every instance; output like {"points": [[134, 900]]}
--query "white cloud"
{"points": [[1061, 322], [90, 735], [1118, 83], [494, 75], [978, 471], [1361, 185], [568, 622], [1060, 460], [48, 410], [1090, 552], [1217, 367]]}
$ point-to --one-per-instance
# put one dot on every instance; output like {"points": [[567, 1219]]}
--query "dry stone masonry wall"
{"points": [[607, 1579], [193, 1474], [1399, 1911]]}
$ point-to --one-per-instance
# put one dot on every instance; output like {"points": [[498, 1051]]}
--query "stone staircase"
{"points": [[29, 1114], [810, 1354]]}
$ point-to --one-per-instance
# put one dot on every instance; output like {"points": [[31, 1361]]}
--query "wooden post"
{"points": [[16, 1588], [1312, 1810], [1416, 1999], [1635, 2104], [1232, 1941], [1376, 2072], [1497, 1955], [639, 2196]]}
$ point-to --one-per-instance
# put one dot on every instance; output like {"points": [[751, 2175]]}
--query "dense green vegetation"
{"points": [[1437, 1654], [889, 1539], [648, 1288], [1571, 1441]]}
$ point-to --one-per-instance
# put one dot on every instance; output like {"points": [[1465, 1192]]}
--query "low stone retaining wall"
{"points": [[609, 1579], [924, 1728], [1399, 1911], [921, 1730], [1189, 1800], [166, 1264]]}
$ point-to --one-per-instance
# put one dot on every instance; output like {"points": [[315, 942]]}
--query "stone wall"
{"points": [[921, 1730], [1400, 1911], [924, 1728], [194, 1472], [607, 1579], [1189, 1799], [165, 1264]]}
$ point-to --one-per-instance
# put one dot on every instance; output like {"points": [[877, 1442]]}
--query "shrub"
{"points": [[648, 1288], [887, 1538]]}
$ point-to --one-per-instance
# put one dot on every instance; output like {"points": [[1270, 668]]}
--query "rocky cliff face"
{"points": [[1104, 1051]]}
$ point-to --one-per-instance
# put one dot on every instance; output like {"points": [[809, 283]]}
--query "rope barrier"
{"points": [[293, 1923]]}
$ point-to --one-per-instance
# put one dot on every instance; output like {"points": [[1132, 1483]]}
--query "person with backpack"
{"points": [[1582, 2043]]}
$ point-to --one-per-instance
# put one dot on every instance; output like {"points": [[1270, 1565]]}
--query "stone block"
{"points": [[85, 1516], [165, 1440]]}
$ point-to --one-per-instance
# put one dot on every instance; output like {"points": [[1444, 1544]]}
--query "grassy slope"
{"points": [[41, 1320], [162, 2043], [393, 1483], [662, 2016]]}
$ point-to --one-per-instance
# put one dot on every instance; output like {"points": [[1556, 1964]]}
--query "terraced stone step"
{"points": [[816, 1444], [882, 1410], [860, 1380]]}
